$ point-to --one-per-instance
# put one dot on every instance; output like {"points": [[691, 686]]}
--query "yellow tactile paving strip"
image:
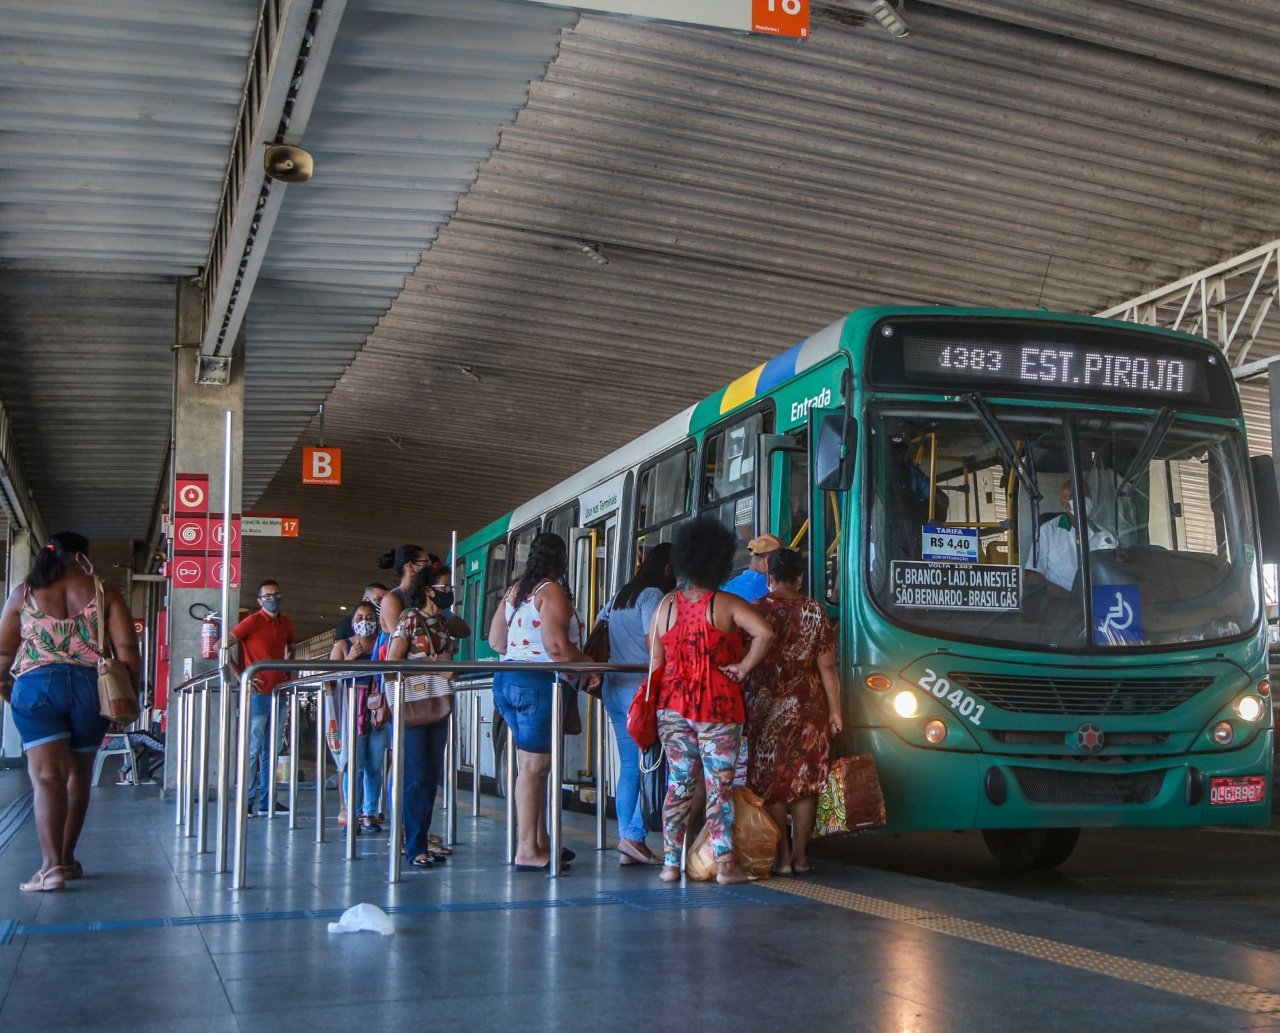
{"points": [[1226, 992]]}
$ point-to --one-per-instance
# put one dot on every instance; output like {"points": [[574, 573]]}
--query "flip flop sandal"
{"points": [[72, 871], [44, 882], [438, 843], [437, 856]]}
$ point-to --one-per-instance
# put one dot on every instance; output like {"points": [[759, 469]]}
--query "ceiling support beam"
{"points": [[290, 51], [1228, 303]]}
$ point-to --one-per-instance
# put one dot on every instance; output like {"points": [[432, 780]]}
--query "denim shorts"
{"points": [[524, 700], [59, 701]]}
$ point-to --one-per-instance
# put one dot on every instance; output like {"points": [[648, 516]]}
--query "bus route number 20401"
{"points": [[961, 702]]}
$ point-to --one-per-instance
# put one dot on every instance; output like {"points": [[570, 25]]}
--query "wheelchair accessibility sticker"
{"points": [[1117, 615]]}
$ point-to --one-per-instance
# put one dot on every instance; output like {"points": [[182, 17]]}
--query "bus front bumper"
{"points": [[939, 789]]}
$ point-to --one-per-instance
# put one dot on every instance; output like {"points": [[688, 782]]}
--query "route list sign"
{"points": [[956, 586]]}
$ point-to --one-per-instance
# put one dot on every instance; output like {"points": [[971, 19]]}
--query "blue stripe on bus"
{"points": [[778, 370]]}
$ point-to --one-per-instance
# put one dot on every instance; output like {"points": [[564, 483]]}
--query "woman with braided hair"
{"points": [[536, 624]]}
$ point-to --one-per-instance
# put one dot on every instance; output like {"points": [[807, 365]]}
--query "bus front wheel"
{"points": [[1030, 850]]}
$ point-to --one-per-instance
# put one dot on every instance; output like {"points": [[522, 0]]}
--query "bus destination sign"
{"points": [[956, 586], [1056, 366]]}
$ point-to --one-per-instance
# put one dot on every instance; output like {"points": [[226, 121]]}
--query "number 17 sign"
{"points": [[781, 17]]}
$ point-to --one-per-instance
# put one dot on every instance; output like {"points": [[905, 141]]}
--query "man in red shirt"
{"points": [[266, 634]]}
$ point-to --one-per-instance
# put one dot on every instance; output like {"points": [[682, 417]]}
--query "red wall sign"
{"points": [[189, 571], [191, 493], [190, 534], [215, 532], [214, 579], [322, 466], [781, 18]]}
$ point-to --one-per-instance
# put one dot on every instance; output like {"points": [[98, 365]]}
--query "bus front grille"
{"points": [[1107, 697], [1080, 788]]}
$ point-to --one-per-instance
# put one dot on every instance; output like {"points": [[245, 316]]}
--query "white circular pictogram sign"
{"points": [[192, 496]]}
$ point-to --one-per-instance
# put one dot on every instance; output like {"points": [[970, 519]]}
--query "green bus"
{"points": [[938, 467]]}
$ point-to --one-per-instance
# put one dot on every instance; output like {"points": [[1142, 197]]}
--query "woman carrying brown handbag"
{"points": [[422, 634], [47, 636]]}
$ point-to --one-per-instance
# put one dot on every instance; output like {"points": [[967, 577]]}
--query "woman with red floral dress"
{"points": [[795, 708]]}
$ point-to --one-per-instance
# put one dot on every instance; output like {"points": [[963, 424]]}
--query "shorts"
{"points": [[59, 701], [524, 700]]}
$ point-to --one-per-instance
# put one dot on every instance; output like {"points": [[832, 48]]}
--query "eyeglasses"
{"points": [[442, 588], [271, 595]]}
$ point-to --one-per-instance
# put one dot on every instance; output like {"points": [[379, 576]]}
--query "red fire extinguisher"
{"points": [[209, 637]]}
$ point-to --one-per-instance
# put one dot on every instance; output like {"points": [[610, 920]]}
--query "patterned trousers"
{"points": [[698, 748]]}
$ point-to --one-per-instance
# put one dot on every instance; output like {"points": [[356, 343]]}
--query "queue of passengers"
{"points": [[707, 642]]}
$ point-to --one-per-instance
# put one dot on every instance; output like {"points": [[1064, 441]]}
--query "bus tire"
{"points": [[1030, 850]]}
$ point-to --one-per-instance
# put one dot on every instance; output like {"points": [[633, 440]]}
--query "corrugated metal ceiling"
{"points": [[748, 191]]}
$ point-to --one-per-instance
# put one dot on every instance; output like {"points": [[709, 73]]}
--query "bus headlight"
{"points": [[1223, 733], [906, 704], [935, 731], [1250, 708]]}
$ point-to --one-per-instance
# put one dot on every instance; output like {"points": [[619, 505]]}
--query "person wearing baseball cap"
{"points": [[753, 583]]}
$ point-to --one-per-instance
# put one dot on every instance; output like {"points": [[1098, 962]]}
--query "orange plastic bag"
{"points": [[755, 841]]}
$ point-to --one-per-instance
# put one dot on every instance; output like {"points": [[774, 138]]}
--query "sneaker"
{"points": [[251, 813]]}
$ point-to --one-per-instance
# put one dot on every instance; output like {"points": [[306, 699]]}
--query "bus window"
{"points": [[495, 584], [520, 543], [830, 567], [662, 499], [563, 521], [729, 480]]}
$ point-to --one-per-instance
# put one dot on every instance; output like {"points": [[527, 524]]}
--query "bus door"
{"points": [[593, 553], [782, 489], [826, 516]]}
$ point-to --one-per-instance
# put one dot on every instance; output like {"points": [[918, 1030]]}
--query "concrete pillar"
{"points": [[198, 436], [21, 553]]}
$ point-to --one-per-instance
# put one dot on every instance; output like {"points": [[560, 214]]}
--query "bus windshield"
{"points": [[959, 546]]}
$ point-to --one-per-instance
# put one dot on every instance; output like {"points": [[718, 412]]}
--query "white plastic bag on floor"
{"points": [[364, 918]]}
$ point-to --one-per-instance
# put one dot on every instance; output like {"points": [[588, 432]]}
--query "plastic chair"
{"points": [[116, 746]]}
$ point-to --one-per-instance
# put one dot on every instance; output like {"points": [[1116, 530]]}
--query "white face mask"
{"points": [[364, 628]]}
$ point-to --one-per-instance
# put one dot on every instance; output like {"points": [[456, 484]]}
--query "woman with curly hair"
{"points": [[697, 643], [536, 624], [795, 709]]}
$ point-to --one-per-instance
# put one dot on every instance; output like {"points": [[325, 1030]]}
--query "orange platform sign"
{"points": [[781, 17], [322, 466]]}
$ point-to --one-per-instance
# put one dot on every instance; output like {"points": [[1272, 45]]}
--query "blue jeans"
{"points": [[619, 691], [423, 766], [370, 750], [262, 795]]}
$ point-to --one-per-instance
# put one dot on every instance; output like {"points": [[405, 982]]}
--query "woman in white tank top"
{"points": [[535, 624]]}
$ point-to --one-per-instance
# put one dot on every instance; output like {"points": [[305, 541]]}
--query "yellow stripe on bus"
{"points": [[741, 390]]}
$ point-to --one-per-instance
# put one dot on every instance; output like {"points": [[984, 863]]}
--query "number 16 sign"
{"points": [[781, 17]]}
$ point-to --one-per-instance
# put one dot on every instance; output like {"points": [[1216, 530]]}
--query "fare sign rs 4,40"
{"points": [[781, 18]]}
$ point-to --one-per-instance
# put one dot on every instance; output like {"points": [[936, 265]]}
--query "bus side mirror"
{"points": [[834, 455], [1268, 496]]}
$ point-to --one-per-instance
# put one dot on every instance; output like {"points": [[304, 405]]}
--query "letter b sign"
{"points": [[322, 466]]}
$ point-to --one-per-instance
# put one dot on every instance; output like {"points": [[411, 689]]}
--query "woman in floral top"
{"points": [[421, 634], [49, 634]]}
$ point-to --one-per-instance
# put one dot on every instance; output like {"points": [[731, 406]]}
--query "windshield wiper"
{"points": [[1160, 424], [1019, 465]]}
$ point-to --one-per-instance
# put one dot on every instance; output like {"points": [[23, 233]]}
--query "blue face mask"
{"points": [[271, 604]]}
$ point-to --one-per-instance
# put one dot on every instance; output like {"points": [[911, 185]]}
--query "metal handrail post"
{"points": [[556, 776], [225, 713], [272, 755], [294, 724], [321, 766], [242, 787], [176, 733], [451, 780], [349, 751], [601, 767], [397, 781], [202, 829], [475, 754], [511, 796], [189, 747]]}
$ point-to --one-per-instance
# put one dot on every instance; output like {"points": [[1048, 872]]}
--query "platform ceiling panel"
{"points": [[86, 367], [115, 119], [746, 192], [410, 107]]}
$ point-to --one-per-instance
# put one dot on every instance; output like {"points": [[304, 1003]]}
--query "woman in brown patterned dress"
{"points": [[794, 709]]}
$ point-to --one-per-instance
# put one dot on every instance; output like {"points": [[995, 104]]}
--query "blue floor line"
{"points": [[642, 900]]}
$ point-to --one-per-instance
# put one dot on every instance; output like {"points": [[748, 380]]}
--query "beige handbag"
{"points": [[428, 698], [117, 700]]}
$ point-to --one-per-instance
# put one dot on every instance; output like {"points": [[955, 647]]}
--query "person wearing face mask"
{"points": [[373, 593], [372, 743], [266, 634], [49, 634], [422, 634], [1056, 558]]}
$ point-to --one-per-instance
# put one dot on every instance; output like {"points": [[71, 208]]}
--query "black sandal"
{"points": [[422, 861]]}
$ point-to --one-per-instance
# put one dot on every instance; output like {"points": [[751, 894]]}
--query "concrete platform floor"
{"points": [[151, 940]]}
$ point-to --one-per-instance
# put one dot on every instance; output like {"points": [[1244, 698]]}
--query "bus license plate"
{"points": [[1244, 789]]}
